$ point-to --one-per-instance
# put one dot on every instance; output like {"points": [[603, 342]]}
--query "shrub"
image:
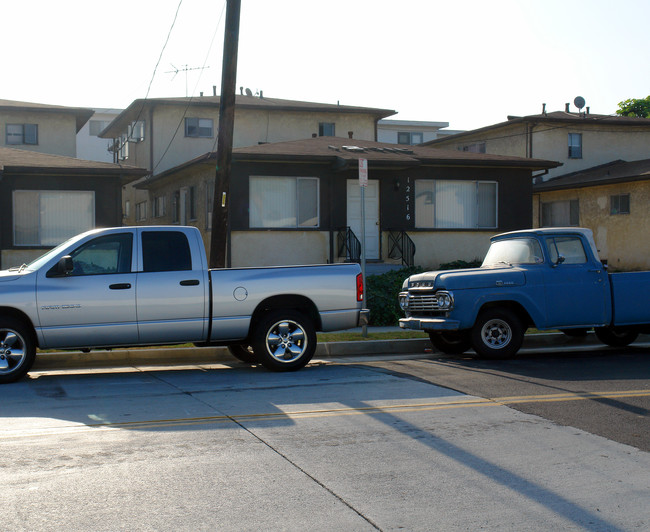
{"points": [[460, 265], [381, 296]]}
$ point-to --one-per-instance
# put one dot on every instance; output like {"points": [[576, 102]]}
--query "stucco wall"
{"points": [[435, 248], [622, 238], [277, 248], [57, 133]]}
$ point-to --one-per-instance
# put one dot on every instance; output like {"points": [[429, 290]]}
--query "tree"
{"points": [[635, 107]]}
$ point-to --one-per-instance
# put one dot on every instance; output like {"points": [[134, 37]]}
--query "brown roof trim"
{"points": [[606, 174]]}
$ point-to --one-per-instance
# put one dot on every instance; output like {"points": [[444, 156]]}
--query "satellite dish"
{"points": [[250, 92], [579, 102]]}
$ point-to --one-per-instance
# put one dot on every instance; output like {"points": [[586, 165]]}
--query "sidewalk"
{"points": [[215, 355]]}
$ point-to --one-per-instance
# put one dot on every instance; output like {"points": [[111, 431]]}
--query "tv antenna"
{"points": [[186, 69]]}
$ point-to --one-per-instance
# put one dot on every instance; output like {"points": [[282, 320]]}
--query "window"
{"points": [[283, 202], [48, 217], [561, 213], [97, 126], [326, 129], [17, 134], [477, 147], [619, 204], [444, 204], [124, 147], [136, 131], [191, 202], [165, 251], [407, 137], [198, 127], [103, 255], [570, 247], [141, 211], [159, 206], [575, 145], [176, 207]]}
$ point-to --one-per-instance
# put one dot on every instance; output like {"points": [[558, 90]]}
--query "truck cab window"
{"points": [[569, 247], [104, 255], [165, 251]]}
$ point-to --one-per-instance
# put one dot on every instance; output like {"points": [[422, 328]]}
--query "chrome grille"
{"points": [[422, 303]]}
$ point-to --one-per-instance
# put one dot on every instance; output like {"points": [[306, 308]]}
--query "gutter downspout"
{"points": [[529, 140]]}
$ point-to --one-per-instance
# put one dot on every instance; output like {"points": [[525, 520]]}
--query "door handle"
{"points": [[190, 282], [594, 271], [120, 286]]}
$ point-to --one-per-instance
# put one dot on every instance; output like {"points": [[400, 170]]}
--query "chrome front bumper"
{"points": [[429, 324]]}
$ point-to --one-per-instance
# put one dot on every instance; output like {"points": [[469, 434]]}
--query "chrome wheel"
{"points": [[12, 351], [496, 333], [286, 341], [17, 349]]}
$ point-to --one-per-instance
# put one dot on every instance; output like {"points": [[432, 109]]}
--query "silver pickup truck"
{"points": [[134, 286]]}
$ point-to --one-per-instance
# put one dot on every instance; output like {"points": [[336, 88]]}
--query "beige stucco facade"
{"points": [[600, 143], [56, 131], [435, 248], [621, 238]]}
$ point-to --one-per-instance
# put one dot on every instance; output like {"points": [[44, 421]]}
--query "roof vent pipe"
{"points": [[544, 109], [214, 90], [261, 94], [566, 107], [587, 108]]}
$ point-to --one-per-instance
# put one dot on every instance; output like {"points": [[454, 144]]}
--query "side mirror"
{"points": [[560, 260], [62, 268]]}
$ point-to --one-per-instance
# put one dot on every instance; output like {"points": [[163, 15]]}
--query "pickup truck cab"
{"points": [[134, 286], [548, 278]]}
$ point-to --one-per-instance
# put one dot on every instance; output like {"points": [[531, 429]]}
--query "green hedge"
{"points": [[382, 291]]}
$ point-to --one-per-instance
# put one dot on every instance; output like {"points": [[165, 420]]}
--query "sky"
{"points": [[470, 63]]}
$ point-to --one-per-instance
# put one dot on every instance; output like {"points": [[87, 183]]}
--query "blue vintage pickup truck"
{"points": [[548, 278]]}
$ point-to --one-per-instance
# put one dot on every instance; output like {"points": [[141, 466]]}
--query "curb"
{"points": [[214, 355]]}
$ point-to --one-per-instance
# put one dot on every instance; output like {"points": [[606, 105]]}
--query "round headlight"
{"points": [[444, 301], [403, 302]]}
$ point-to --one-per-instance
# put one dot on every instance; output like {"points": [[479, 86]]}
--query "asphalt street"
{"points": [[415, 442]]}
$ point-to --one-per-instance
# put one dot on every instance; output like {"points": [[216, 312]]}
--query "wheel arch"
{"points": [[514, 306], [289, 301], [11, 312]]}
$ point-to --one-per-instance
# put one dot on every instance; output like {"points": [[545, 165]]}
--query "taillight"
{"points": [[360, 287]]}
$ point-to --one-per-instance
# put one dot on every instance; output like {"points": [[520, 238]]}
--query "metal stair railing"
{"points": [[400, 246], [348, 245]]}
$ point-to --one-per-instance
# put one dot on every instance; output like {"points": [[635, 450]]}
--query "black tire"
{"points": [[243, 352], [284, 340], [575, 333], [17, 350], [616, 337], [497, 333], [451, 342]]}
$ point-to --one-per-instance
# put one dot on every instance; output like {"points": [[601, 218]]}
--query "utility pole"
{"points": [[220, 226]]}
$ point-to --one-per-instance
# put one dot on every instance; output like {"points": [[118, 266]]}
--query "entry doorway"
{"points": [[372, 214]]}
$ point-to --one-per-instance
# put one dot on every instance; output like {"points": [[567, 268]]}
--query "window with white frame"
{"points": [[17, 134], [159, 207], [199, 127], [141, 211], [48, 217], [409, 137], [564, 213], [447, 204], [619, 204], [136, 131], [575, 145], [124, 147], [283, 202]]}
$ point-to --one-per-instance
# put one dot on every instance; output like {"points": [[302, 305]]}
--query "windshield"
{"points": [[36, 264], [513, 251]]}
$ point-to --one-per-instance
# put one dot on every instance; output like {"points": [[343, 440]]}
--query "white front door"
{"points": [[372, 214]]}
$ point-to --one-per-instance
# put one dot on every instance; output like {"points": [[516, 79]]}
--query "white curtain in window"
{"points": [[47, 218], [425, 205], [456, 204], [487, 201], [272, 202]]}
